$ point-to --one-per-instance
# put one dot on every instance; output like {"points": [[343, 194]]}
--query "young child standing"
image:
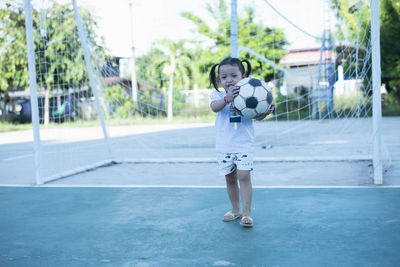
{"points": [[234, 137]]}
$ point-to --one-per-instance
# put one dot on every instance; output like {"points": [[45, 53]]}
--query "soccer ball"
{"points": [[254, 99]]}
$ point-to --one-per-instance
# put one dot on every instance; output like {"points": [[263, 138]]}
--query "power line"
{"points": [[294, 25]]}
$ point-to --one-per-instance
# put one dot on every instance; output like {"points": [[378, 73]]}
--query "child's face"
{"points": [[229, 75]]}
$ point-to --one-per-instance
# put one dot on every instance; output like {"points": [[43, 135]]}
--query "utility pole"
{"points": [[133, 62], [234, 30], [326, 71]]}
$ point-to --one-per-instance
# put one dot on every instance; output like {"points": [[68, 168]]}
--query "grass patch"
{"points": [[5, 126], [393, 110], [9, 127], [150, 121]]}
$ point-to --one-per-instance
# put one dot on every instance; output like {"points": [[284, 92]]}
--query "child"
{"points": [[234, 137]]}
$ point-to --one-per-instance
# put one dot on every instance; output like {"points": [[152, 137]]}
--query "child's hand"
{"points": [[270, 110], [232, 92]]}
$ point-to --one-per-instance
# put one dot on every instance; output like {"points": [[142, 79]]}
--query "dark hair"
{"points": [[229, 61]]}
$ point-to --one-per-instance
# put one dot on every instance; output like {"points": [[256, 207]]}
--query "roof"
{"points": [[113, 80], [303, 57]]}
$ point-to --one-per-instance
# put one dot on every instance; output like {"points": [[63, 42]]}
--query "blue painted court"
{"points": [[72, 226]]}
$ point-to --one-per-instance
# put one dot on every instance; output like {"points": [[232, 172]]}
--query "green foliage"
{"points": [[149, 69], [56, 44], [168, 66], [193, 61], [119, 101], [188, 63], [391, 110], [349, 102], [151, 104], [391, 99], [390, 48], [391, 104], [347, 12], [175, 60], [10, 127], [179, 101], [13, 59], [269, 42], [201, 111], [293, 107], [299, 105], [207, 118], [61, 39]]}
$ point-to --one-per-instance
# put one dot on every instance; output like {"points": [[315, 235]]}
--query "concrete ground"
{"points": [[44, 226], [155, 155], [163, 206]]}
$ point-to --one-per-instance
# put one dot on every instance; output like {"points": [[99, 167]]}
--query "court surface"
{"points": [[80, 226], [306, 213]]}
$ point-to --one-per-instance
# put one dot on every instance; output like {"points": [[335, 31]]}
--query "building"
{"points": [[303, 65]]}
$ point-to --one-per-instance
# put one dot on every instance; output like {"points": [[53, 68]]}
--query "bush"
{"points": [[120, 103], [349, 102], [391, 104]]}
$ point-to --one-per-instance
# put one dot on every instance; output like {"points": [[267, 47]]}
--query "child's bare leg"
{"points": [[233, 191], [246, 191]]}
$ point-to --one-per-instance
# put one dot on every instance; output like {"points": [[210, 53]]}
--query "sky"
{"points": [[156, 19]]}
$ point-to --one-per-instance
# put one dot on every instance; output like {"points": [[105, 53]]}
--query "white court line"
{"points": [[206, 186], [256, 159], [59, 151], [213, 160], [18, 157]]}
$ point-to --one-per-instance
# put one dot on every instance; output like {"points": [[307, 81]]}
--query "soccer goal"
{"points": [[91, 109]]}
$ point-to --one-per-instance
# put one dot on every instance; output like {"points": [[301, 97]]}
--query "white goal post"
{"points": [[377, 102]]}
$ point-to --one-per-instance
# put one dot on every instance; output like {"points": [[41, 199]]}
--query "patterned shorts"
{"points": [[229, 162]]}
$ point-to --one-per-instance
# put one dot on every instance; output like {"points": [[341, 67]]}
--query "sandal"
{"points": [[229, 216], [249, 222]]}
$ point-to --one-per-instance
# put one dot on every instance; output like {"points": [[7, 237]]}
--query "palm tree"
{"points": [[177, 62]]}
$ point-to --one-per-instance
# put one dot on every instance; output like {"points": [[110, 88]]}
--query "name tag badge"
{"points": [[233, 115]]}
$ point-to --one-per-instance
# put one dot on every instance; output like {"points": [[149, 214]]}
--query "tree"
{"points": [[13, 59], [347, 12], [176, 63], [270, 45], [155, 72], [390, 48], [56, 43]]}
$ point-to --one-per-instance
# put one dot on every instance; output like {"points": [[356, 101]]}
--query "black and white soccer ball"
{"points": [[254, 99]]}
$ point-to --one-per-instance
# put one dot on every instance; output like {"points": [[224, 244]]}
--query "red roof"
{"points": [[304, 57], [113, 80]]}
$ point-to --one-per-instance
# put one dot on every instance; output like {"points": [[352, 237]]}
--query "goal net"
{"points": [[96, 108]]}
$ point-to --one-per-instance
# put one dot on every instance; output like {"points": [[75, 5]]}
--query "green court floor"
{"points": [[47, 226]]}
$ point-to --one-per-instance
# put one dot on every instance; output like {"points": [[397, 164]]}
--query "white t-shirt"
{"points": [[229, 139]]}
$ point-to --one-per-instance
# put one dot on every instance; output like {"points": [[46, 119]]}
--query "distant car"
{"points": [[18, 111]]}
